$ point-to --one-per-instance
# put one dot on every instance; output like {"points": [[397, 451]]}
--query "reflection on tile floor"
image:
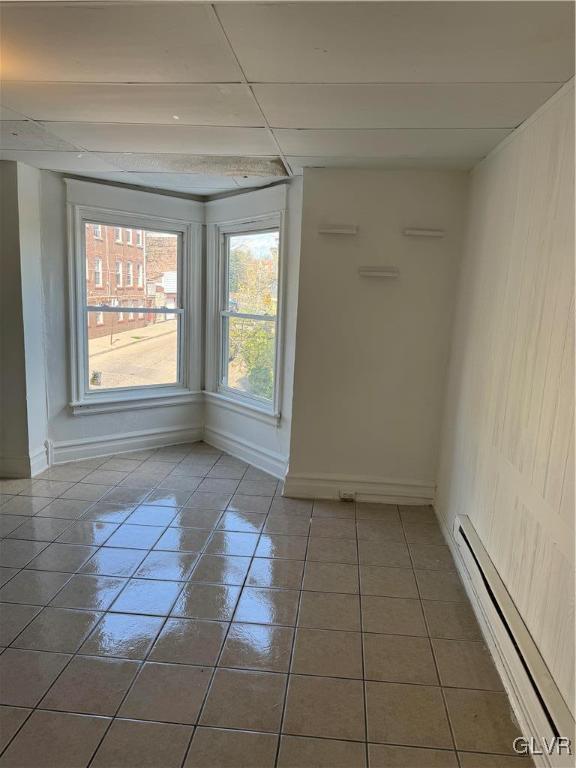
{"points": [[168, 608]]}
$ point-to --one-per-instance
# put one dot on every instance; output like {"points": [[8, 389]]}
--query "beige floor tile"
{"points": [[330, 528], [387, 756], [163, 497], [126, 495], [133, 744], [123, 635], [66, 558], [25, 676], [105, 477], [169, 566], [55, 740], [232, 543], [258, 646], [289, 526], [108, 512], [326, 707], [6, 574], [215, 747], [392, 616], [58, 629], [481, 720], [173, 483], [17, 554], [328, 653], [331, 577], [11, 719], [244, 522], [167, 692], [441, 585], [33, 587], [411, 715], [26, 506], [206, 601], [113, 562], [399, 659], [245, 700], [189, 641], [328, 610], [479, 760], [87, 492], [423, 533], [207, 500], [282, 574], [218, 485], [332, 550], [13, 523], [205, 519], [65, 508], [373, 511], [379, 530], [94, 593], [466, 664], [241, 502], [293, 506], [36, 528], [389, 582], [221, 569], [155, 598], [183, 540], [276, 545], [152, 514], [423, 513], [135, 536], [90, 533], [338, 510], [299, 751], [13, 619], [267, 606], [432, 557], [390, 553], [258, 487], [454, 621], [92, 686]]}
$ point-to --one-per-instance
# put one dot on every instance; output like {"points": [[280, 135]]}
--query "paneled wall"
{"points": [[508, 441]]}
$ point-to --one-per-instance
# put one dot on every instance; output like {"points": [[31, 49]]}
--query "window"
{"points": [[249, 314], [99, 318], [118, 274], [118, 234], [130, 315], [129, 274], [97, 272], [129, 236], [98, 231], [120, 317], [139, 240], [140, 270]]}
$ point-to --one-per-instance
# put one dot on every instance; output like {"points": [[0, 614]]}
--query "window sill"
{"points": [[242, 407], [113, 405]]}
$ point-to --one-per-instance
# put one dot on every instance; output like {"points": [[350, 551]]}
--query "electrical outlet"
{"points": [[347, 496]]}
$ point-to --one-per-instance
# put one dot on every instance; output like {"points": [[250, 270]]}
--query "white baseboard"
{"points": [[262, 458], [24, 466], [91, 447], [379, 490], [525, 702]]}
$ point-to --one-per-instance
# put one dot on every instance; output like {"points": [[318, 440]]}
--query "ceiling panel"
{"points": [[24, 134], [77, 162], [114, 43], [222, 166], [9, 114], [460, 163], [445, 143], [206, 104], [188, 181], [493, 105], [124, 137], [397, 42]]}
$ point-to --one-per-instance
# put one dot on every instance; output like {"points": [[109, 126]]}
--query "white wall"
{"points": [[371, 354], [508, 440], [264, 441]]}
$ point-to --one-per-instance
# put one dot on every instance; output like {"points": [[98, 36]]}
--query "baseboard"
{"points": [[378, 490], [526, 703], [24, 466], [91, 447], [262, 458]]}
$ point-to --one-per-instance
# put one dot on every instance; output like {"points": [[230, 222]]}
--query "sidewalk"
{"points": [[126, 338]]}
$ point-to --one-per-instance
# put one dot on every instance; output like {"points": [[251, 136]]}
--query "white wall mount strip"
{"points": [[390, 273], [413, 232], [339, 229]]}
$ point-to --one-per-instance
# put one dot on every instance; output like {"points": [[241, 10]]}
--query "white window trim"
{"points": [[129, 236], [218, 391], [118, 235], [99, 230], [140, 275], [129, 274], [84, 400], [98, 273]]}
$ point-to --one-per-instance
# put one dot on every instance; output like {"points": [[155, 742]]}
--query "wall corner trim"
{"points": [[262, 458]]}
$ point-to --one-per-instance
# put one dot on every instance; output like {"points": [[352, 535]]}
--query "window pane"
{"points": [[253, 273], [249, 355], [125, 273], [128, 349]]}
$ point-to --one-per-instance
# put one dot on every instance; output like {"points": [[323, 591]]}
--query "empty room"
{"points": [[287, 384]]}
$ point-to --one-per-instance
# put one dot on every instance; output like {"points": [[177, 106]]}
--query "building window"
{"points": [[129, 237], [139, 238], [114, 359], [249, 293], [98, 273], [118, 234], [98, 231]]}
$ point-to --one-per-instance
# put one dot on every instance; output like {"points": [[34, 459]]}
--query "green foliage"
{"points": [[253, 343]]}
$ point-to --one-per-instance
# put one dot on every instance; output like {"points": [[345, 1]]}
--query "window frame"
{"points": [[254, 224], [98, 273], [84, 400], [130, 275]]}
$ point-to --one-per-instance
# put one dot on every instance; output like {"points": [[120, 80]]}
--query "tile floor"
{"points": [[169, 609]]}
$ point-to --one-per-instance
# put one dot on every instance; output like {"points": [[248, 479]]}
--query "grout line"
{"points": [[360, 601]]}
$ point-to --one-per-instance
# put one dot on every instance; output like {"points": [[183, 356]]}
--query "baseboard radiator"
{"points": [[541, 710]]}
